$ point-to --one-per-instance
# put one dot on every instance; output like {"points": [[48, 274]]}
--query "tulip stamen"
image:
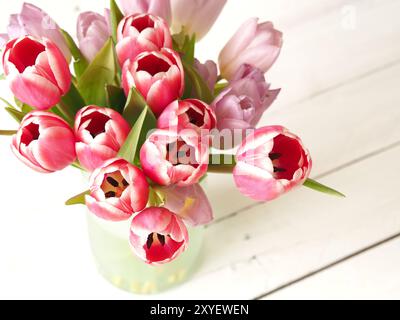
{"points": [[161, 238], [150, 240], [110, 194], [155, 238], [278, 170], [275, 156], [113, 182], [114, 185]]}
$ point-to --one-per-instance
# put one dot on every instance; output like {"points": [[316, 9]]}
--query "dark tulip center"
{"points": [[24, 53], [195, 117], [155, 239], [30, 133], [114, 185], [142, 23], [97, 123], [285, 156], [153, 64]]}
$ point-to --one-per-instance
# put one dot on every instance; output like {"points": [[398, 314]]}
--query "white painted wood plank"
{"points": [[372, 275], [338, 126], [273, 244]]}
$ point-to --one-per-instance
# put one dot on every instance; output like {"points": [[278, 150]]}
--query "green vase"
{"points": [[117, 263]]}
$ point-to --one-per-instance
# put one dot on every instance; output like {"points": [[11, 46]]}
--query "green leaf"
{"points": [[73, 100], [99, 73], [146, 122], [116, 16], [80, 62], [115, 98], [78, 199], [17, 115], [7, 132], [185, 45], [135, 104], [314, 185], [2, 76], [194, 82], [7, 103]]}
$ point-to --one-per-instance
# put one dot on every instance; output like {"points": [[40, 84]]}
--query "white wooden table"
{"points": [[339, 71]]}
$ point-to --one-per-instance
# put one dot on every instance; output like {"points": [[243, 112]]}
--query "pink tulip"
{"points": [[118, 190], [195, 17], [158, 236], [255, 44], [160, 8], [37, 72], [93, 31], [271, 162], [187, 114], [158, 76], [170, 158], [190, 204], [44, 142], [32, 21], [243, 103], [100, 133], [208, 71], [139, 33]]}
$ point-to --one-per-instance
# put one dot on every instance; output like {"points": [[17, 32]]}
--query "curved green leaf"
{"points": [[99, 73], [78, 199], [146, 122], [116, 16], [135, 104]]}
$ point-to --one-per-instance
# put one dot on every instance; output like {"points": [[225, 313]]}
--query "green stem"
{"points": [[66, 112], [316, 186], [77, 165], [7, 132], [221, 163]]}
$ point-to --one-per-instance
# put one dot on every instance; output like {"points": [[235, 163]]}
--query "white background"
{"points": [[339, 71]]}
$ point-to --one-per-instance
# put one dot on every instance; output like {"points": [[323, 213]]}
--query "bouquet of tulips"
{"points": [[130, 104]]}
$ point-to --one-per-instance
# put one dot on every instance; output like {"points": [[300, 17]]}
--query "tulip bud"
{"points": [[158, 76], [195, 17], [255, 44], [170, 158], [118, 190], [160, 8], [187, 114], [271, 162], [37, 72], [189, 203], [93, 31], [33, 21], [139, 33], [158, 236], [100, 133], [242, 104], [208, 71], [44, 142]]}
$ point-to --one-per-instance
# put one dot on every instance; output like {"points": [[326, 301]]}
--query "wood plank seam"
{"points": [[328, 266]]}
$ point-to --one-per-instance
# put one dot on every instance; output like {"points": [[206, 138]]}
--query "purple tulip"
{"points": [[32, 21], [258, 44], [243, 103], [160, 8], [93, 30]]}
